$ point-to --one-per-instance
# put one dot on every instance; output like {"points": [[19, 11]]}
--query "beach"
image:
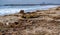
{"points": [[37, 22]]}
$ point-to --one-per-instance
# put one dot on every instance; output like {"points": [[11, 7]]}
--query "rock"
{"points": [[37, 10], [58, 8], [21, 11]]}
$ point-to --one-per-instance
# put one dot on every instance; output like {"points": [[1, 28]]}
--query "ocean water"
{"points": [[6, 10]]}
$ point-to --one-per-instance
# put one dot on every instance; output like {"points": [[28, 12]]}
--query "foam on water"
{"points": [[6, 11]]}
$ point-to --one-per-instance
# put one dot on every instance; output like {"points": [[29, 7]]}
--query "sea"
{"points": [[6, 10]]}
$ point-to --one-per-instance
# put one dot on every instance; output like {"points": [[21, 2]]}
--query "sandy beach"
{"points": [[39, 22]]}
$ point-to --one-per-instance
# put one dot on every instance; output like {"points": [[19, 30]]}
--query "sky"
{"points": [[28, 1]]}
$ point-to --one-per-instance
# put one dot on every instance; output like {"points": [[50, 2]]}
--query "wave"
{"points": [[7, 11]]}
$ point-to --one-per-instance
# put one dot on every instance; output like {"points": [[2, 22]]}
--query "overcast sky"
{"points": [[28, 1]]}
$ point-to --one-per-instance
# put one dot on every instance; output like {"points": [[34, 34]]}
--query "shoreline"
{"points": [[13, 11], [33, 13]]}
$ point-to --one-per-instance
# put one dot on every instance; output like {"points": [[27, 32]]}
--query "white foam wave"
{"points": [[7, 11]]}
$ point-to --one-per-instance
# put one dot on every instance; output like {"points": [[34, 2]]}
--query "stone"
{"points": [[21, 11]]}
